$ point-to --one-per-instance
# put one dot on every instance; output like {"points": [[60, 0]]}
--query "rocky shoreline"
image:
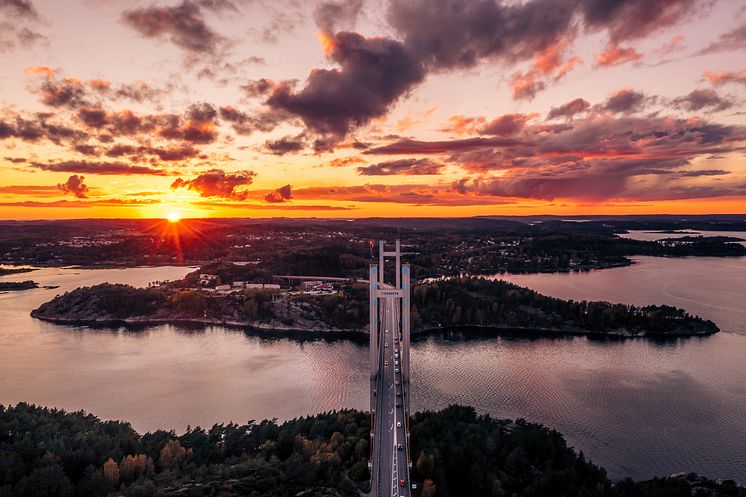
{"points": [[278, 329]]}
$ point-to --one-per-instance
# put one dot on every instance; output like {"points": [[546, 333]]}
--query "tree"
{"points": [[111, 473], [172, 455]]}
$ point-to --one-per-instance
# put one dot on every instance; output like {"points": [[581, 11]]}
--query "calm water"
{"points": [[640, 409], [650, 235]]}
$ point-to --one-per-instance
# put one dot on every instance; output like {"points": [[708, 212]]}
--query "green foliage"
{"points": [[48, 452], [497, 303]]}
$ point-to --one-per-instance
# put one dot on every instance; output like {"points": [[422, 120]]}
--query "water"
{"points": [[639, 408], [651, 235]]}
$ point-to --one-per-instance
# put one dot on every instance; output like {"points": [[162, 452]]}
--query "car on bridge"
{"points": [[398, 424], [399, 446], [402, 483]]}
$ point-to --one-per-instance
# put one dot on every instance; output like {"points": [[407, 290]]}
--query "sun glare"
{"points": [[173, 217]]}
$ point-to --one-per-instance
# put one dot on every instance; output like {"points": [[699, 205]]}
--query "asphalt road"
{"points": [[390, 463]]}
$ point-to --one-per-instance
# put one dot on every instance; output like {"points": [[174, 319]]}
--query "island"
{"points": [[244, 296], [455, 452], [14, 286]]}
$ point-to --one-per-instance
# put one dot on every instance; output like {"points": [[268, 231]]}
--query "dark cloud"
{"points": [[21, 8], [632, 19], [569, 110], [373, 74], [74, 185], [245, 124], [730, 41], [282, 194], [218, 183], [67, 92], [183, 25], [97, 167], [39, 127], [403, 167], [592, 179], [442, 35], [625, 101], [506, 125], [333, 16], [286, 144], [199, 125], [257, 87], [407, 146], [15, 160], [703, 99], [72, 92], [459, 33], [704, 172], [400, 194]]}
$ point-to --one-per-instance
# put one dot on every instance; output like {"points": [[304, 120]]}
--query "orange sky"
{"points": [[360, 109]]}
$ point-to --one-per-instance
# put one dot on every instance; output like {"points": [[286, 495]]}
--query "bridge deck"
{"points": [[390, 463]]}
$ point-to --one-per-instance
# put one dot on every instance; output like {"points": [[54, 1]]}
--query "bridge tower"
{"points": [[401, 291]]}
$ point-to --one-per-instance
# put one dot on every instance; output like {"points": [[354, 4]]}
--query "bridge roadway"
{"points": [[390, 464]]}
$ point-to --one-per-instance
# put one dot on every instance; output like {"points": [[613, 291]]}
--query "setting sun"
{"points": [[173, 217]]}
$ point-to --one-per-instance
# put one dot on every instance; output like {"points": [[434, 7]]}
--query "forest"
{"points": [[457, 453], [471, 301]]}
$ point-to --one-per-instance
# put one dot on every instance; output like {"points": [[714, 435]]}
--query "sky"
{"points": [[259, 108]]}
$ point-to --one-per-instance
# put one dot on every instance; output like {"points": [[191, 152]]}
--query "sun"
{"points": [[173, 217]]}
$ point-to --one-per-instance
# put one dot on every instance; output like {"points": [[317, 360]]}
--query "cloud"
{"points": [[199, 125], [333, 16], [408, 146], [418, 194], [569, 110], [286, 144], [31, 190], [446, 35], [450, 34], [39, 127], [282, 194], [218, 183], [614, 56], [74, 185], [403, 167], [245, 124], [71, 92], [543, 149], [730, 41], [506, 125], [549, 66], [625, 101], [20, 8], [257, 87], [17, 18], [703, 99], [374, 73], [724, 77], [97, 167], [114, 202], [183, 25]]}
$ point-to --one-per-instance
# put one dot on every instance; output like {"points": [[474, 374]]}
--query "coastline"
{"points": [[282, 331]]}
